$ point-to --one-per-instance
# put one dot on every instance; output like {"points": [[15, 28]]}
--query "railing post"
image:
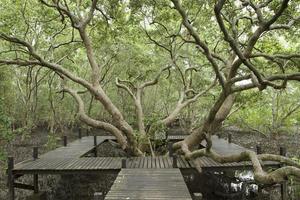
{"points": [[10, 178], [35, 176], [229, 138], [123, 163], [95, 140], [282, 151], [283, 186], [65, 140], [98, 196], [171, 154], [79, 133], [258, 149], [95, 145], [35, 153], [170, 148]]}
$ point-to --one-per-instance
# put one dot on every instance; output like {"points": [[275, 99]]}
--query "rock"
{"points": [[198, 196]]}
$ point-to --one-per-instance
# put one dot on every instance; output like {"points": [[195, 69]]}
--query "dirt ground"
{"points": [[21, 149], [269, 144]]}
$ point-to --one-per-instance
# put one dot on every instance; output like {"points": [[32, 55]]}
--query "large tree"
{"points": [[233, 49]]}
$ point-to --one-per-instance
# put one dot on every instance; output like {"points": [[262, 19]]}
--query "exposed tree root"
{"points": [[279, 175]]}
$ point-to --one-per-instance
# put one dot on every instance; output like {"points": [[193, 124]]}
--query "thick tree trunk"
{"points": [[213, 122], [115, 113]]}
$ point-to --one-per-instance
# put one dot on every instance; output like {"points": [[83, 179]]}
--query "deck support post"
{"points": [[171, 154], [229, 138], [65, 141], [10, 178], [98, 196], [123, 163], [258, 149], [79, 133], [174, 163], [35, 176], [95, 145], [170, 148], [284, 185], [259, 188]]}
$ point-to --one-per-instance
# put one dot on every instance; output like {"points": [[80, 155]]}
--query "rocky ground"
{"points": [[72, 187]]}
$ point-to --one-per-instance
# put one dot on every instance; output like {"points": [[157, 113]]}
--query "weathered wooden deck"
{"points": [[71, 159], [219, 145], [224, 147], [94, 164], [149, 184]]}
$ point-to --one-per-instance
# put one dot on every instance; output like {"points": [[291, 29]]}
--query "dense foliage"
{"points": [[124, 49]]}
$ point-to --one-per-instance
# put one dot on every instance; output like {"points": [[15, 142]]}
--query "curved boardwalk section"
{"points": [[149, 184]]}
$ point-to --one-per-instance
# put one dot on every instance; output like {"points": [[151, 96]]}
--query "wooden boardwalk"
{"points": [[71, 159], [149, 184], [76, 149], [96, 164], [219, 145], [224, 147]]}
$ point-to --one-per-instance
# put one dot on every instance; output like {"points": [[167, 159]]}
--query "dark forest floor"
{"points": [[268, 143]]}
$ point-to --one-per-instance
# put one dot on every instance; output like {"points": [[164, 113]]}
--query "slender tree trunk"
{"points": [[139, 112]]}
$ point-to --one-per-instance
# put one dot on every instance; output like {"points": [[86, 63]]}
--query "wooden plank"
{"points": [[162, 162], [106, 164], [99, 162], [90, 163], [180, 164], [149, 162], [130, 162], [169, 162], [113, 164], [157, 161], [141, 164], [145, 162], [136, 161]]}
